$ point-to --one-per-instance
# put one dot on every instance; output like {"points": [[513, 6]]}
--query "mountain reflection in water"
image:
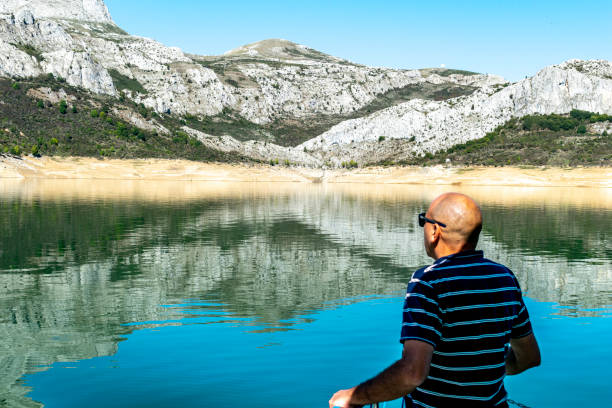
{"points": [[81, 267]]}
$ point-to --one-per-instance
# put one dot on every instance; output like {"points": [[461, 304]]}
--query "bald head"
{"points": [[462, 217]]}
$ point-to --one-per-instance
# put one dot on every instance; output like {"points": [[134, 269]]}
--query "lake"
{"points": [[199, 294]]}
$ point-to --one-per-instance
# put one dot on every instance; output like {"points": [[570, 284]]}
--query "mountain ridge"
{"points": [[313, 108]]}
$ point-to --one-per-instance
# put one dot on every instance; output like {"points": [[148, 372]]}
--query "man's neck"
{"points": [[442, 251]]}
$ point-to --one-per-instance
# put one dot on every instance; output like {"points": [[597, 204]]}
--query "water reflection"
{"points": [[84, 264]]}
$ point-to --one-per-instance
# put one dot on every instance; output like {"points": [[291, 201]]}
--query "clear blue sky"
{"points": [[509, 38]]}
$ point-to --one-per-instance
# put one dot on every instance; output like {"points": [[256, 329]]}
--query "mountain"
{"points": [[85, 10], [281, 50], [272, 99], [431, 126]]}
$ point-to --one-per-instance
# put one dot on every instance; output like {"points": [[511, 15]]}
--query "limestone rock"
{"points": [[429, 126], [256, 150], [50, 50], [87, 10], [49, 95]]}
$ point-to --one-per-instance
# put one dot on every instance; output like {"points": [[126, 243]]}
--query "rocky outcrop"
{"points": [[33, 47], [256, 150], [85, 10], [423, 126]]}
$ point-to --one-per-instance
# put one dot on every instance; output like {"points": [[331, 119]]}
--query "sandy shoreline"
{"points": [[183, 170]]}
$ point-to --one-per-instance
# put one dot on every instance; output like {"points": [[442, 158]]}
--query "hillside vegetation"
{"points": [[539, 140], [83, 124]]}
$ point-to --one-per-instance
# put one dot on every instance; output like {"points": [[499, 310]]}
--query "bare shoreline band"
{"points": [[183, 170]]}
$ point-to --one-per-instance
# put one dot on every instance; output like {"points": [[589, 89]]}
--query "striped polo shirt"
{"points": [[468, 308]]}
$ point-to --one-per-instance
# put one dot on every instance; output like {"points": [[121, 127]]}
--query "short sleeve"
{"points": [[521, 326], [421, 316]]}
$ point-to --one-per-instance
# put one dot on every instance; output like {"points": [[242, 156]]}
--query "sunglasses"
{"points": [[423, 219]]}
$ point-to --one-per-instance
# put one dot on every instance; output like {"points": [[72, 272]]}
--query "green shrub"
{"points": [[552, 122], [180, 137], [349, 165], [35, 151], [102, 115], [580, 114], [16, 85], [581, 129], [600, 118], [16, 150], [287, 162], [123, 82], [271, 162], [122, 131], [54, 141], [144, 112], [94, 113], [40, 104], [74, 109], [63, 107], [381, 138]]}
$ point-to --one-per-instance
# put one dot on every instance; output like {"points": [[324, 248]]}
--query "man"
{"points": [[460, 314]]}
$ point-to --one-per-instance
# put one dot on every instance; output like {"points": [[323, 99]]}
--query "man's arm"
{"points": [[523, 354], [399, 379]]}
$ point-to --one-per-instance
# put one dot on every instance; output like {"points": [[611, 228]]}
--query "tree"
{"points": [[580, 114], [63, 107]]}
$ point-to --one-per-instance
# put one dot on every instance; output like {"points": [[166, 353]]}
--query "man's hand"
{"points": [[397, 380], [343, 399]]}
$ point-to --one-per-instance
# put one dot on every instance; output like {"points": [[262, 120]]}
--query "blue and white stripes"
{"points": [[467, 308]]}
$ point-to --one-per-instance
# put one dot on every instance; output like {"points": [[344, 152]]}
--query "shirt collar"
{"points": [[460, 255]]}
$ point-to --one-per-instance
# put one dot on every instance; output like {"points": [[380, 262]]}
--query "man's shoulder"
{"points": [[452, 266], [422, 273]]}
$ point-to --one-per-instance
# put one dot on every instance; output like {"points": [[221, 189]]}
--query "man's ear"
{"points": [[435, 233]]}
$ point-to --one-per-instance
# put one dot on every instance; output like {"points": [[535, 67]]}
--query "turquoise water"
{"points": [[183, 295]]}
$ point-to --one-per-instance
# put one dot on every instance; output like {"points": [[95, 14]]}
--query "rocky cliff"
{"points": [[85, 10], [321, 109], [430, 126]]}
